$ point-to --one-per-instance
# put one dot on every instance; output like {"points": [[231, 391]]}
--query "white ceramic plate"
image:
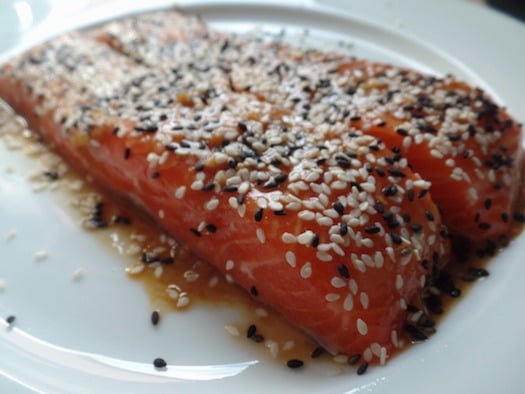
{"points": [[94, 335]]}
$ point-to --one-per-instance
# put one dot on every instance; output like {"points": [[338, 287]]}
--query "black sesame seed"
{"points": [[380, 171], [415, 333], [242, 126], [353, 359], [484, 226], [487, 203], [147, 128], [253, 291], [10, 319], [159, 363], [315, 240], [127, 153], [519, 217], [211, 228], [208, 187], [343, 271], [280, 178], [505, 217], [155, 175], [230, 188], [422, 193], [317, 352], [395, 238], [118, 219], [280, 212], [380, 207], [155, 317], [416, 227], [195, 232], [294, 363], [410, 195], [343, 228], [258, 215], [362, 368], [199, 167], [429, 215], [401, 131], [51, 175], [372, 230], [396, 173], [257, 338], [270, 184], [455, 292], [390, 190], [340, 209], [251, 331]]}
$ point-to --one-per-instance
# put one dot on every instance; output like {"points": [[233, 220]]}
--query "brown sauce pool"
{"points": [[175, 280]]}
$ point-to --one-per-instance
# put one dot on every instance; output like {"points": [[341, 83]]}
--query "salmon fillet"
{"points": [[452, 134], [323, 223]]}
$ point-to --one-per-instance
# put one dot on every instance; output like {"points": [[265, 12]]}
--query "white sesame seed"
{"points": [[324, 256], [337, 282], [173, 291], [394, 339], [305, 238], [197, 185], [229, 265], [183, 301], [180, 192], [78, 274], [306, 215], [324, 221], [363, 297], [135, 268], [261, 312], [10, 235], [244, 187], [261, 236], [376, 349], [212, 204], [367, 355], [399, 282], [288, 345], [158, 271], [379, 259], [232, 330], [340, 358], [352, 285], [348, 303], [331, 297], [436, 153], [233, 202], [390, 252], [214, 281], [41, 255], [275, 206], [382, 356], [290, 258], [272, 346], [362, 327], [358, 263], [288, 238], [306, 270], [161, 214]]}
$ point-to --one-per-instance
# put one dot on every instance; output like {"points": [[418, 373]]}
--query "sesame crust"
{"points": [[287, 164]]}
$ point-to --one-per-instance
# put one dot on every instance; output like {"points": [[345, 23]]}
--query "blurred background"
{"points": [[515, 8]]}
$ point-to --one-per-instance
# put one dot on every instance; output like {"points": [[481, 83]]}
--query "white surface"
{"points": [[94, 335]]}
